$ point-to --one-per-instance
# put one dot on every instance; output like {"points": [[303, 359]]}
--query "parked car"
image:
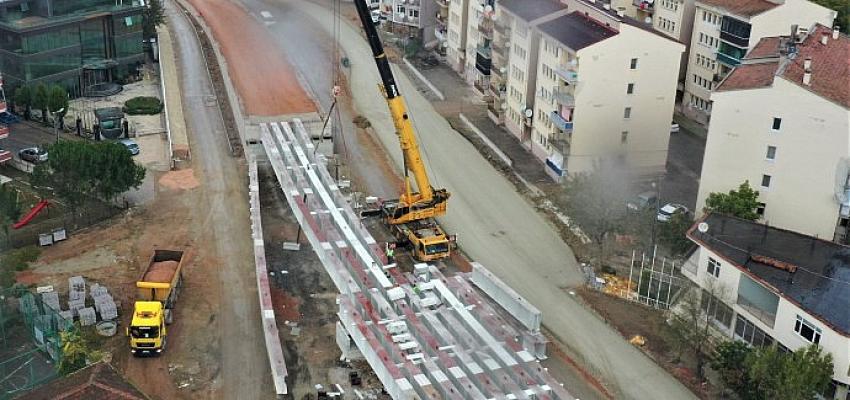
{"points": [[674, 127], [643, 200], [8, 118], [667, 212], [34, 155], [131, 146]]}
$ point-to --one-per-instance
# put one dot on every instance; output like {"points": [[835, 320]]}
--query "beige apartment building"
{"points": [[675, 19], [481, 15], [605, 88], [723, 32], [515, 52], [456, 28], [781, 121], [415, 18]]}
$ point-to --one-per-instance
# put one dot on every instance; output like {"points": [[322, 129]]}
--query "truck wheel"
{"points": [[169, 316], [164, 342]]}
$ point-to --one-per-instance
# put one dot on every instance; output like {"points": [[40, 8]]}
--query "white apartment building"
{"points": [[456, 35], [441, 26], [479, 36], [605, 88], [675, 18], [723, 32], [515, 60], [774, 286], [414, 18], [783, 124]]}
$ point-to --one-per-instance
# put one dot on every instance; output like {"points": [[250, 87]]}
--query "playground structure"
{"points": [[41, 205]]}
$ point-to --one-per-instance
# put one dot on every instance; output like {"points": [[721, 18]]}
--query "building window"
{"points": [[765, 181], [777, 123], [713, 268], [624, 137], [760, 209], [630, 88], [633, 63], [807, 330], [627, 113], [771, 153], [713, 307], [748, 332]]}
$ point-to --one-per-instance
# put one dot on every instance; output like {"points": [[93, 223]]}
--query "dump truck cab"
{"points": [[147, 330]]}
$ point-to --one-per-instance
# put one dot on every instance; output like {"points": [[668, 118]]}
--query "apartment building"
{"points": [[73, 43], [675, 19], [515, 51], [479, 37], [456, 35], [781, 121], [441, 26], [415, 19], [605, 88], [764, 286], [723, 32]]}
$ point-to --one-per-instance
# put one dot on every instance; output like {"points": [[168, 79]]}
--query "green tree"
{"points": [[796, 376], [78, 171], [729, 361], [672, 233], [152, 16], [10, 207], [596, 201], [741, 203], [23, 98], [40, 100], [77, 351], [843, 8], [58, 100]]}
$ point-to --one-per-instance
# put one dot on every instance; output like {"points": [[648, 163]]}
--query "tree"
{"points": [[152, 16], [729, 362], [10, 207], [40, 99], [741, 203], [672, 233], [24, 98], [76, 351], [691, 325], [796, 376], [596, 201], [58, 100], [78, 171], [843, 8]]}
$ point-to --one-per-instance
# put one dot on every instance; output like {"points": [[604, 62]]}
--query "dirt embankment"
{"points": [[266, 81]]}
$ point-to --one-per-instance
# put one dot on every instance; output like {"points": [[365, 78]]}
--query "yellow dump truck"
{"points": [[157, 291]]}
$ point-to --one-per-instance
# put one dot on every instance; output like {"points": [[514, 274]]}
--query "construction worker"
{"points": [[390, 252]]}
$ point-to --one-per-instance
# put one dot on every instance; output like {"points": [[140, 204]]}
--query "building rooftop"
{"points": [[811, 272], [96, 382], [830, 68], [529, 10], [577, 31], [744, 8]]}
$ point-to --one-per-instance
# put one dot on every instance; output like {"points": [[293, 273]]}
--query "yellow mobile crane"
{"points": [[411, 216]]}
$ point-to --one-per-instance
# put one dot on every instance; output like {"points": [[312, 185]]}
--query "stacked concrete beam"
{"points": [[425, 335]]}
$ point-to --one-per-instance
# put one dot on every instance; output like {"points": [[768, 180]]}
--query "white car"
{"points": [[674, 127], [669, 210]]}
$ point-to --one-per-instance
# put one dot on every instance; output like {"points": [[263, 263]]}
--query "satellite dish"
{"points": [[702, 227], [528, 113], [647, 20]]}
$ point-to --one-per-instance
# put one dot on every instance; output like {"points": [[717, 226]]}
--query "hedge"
{"points": [[143, 106]]}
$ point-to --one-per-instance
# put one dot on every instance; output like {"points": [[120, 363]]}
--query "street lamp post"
{"points": [[56, 122], [657, 186]]}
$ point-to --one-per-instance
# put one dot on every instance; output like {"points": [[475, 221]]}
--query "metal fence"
{"points": [[71, 221], [650, 281], [31, 345]]}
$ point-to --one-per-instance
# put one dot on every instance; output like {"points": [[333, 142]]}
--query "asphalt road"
{"points": [[245, 372], [496, 226]]}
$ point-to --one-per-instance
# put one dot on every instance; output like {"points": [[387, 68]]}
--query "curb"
{"points": [[486, 141], [425, 80]]}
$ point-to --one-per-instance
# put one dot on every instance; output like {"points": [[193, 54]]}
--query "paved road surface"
{"points": [[245, 372], [497, 227]]}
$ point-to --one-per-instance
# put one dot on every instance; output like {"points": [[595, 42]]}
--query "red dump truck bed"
{"points": [[161, 275]]}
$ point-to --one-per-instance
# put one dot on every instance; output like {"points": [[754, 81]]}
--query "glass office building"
{"points": [[78, 44]]}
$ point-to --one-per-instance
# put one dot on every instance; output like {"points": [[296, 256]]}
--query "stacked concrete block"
{"points": [[50, 301], [76, 288], [75, 305], [67, 315], [105, 305], [88, 316], [97, 290]]}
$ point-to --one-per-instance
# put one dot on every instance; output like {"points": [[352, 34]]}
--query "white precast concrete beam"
{"points": [[505, 296]]}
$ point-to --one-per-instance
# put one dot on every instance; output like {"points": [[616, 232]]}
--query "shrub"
{"points": [[143, 106], [19, 259]]}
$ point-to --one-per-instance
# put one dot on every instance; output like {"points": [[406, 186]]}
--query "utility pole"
{"points": [[56, 122], [657, 186]]}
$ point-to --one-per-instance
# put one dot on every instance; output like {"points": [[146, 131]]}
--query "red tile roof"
{"points": [[743, 8], [96, 382], [749, 76], [830, 65]]}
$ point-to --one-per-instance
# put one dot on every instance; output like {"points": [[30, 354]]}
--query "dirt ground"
{"points": [[114, 254], [267, 83], [634, 319]]}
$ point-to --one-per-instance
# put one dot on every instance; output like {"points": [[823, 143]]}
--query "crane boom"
{"points": [[427, 202]]}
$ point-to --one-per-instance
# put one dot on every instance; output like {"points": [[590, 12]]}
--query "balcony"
{"points": [[735, 40], [497, 89], [442, 20], [644, 5], [560, 123], [735, 31], [442, 3], [4, 131], [564, 95], [2, 107], [440, 33], [757, 300], [567, 73], [728, 60], [486, 27], [503, 29]]}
